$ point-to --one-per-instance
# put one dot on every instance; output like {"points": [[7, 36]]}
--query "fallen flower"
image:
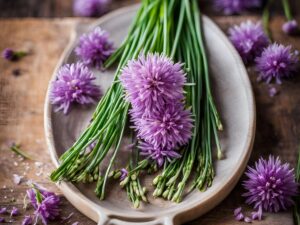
{"points": [[45, 203], [237, 211], [239, 216], [247, 219], [27, 220], [276, 62], [64, 218], [249, 39], [74, 84], [2, 220], [12, 55], [94, 48], [270, 185], [257, 215]]}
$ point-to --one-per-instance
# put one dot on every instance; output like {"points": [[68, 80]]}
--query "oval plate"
{"points": [[234, 98]]}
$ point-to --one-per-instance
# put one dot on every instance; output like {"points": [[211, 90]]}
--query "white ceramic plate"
{"points": [[235, 102]]}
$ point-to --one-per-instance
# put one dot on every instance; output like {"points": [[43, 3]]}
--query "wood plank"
{"points": [[21, 114]]}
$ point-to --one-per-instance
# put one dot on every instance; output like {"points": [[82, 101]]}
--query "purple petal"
{"points": [[27, 220], [247, 219], [14, 211], [237, 211], [3, 210], [239, 217]]}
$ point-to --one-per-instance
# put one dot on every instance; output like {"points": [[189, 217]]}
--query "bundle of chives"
{"points": [[156, 28]]}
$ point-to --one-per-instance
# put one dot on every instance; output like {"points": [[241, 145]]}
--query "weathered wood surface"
{"points": [[21, 115]]}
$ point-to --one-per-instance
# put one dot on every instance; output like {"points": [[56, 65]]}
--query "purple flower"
{"points": [[270, 185], [157, 153], [290, 27], [168, 127], [229, 7], [94, 48], [277, 61], [249, 39], [124, 174], [151, 82], [27, 220], [74, 84], [2, 220], [8, 54], [14, 211], [90, 7], [45, 203]]}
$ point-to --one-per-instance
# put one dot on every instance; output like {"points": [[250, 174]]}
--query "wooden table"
{"points": [[21, 114]]}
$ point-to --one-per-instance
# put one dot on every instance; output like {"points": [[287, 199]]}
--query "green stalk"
{"points": [[266, 19], [171, 27], [287, 9]]}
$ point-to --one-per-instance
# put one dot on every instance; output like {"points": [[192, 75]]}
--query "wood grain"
{"points": [[21, 115]]}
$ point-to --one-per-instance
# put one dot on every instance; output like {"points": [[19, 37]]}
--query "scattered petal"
{"points": [[3, 210], [247, 219], [27, 220], [273, 91], [45, 203], [239, 217], [257, 215], [124, 174], [17, 179], [237, 211], [14, 211]]}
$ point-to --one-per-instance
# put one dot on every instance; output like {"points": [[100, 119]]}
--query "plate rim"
{"points": [[102, 214]]}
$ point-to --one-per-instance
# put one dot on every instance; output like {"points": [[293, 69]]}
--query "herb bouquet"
{"points": [[168, 107]]}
